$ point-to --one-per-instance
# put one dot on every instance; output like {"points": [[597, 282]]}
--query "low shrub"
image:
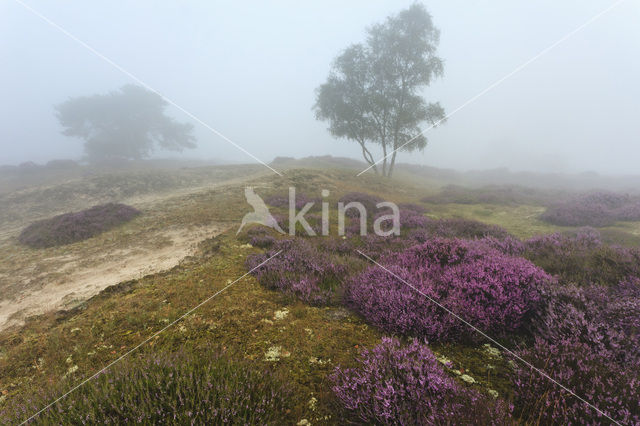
{"points": [[457, 228], [464, 228], [582, 258], [301, 200], [300, 270], [168, 389], [605, 318], [405, 385], [492, 194], [493, 291], [417, 208], [611, 387], [410, 217], [367, 200], [262, 241], [72, 227], [594, 209]]}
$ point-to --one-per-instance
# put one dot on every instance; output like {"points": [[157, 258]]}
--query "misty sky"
{"points": [[249, 69]]}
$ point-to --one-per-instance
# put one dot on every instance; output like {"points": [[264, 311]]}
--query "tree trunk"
{"points": [[384, 161], [368, 159], [393, 161]]}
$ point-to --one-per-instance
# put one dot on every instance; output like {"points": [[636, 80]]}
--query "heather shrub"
{"points": [[300, 270], [410, 217], [405, 385], [594, 209], [416, 208], [168, 389], [282, 201], [493, 194], [72, 227], [367, 200], [262, 241], [507, 245], [611, 387], [605, 318], [582, 258], [258, 236], [464, 228], [461, 228], [282, 220], [277, 201], [491, 290], [338, 246]]}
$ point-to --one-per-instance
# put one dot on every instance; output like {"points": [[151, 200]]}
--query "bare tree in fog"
{"points": [[371, 95], [124, 124]]}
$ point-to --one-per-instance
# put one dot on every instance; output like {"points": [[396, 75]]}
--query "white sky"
{"points": [[249, 69]]}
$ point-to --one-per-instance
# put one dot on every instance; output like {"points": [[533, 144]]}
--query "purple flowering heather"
{"points": [[416, 208], [367, 200], [605, 318], [493, 194], [491, 290], [583, 258], [410, 217], [300, 270], [494, 235], [465, 228], [507, 245], [72, 227], [282, 201], [611, 387], [405, 385], [594, 209]]}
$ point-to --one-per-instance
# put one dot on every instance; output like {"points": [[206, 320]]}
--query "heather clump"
{"points": [[464, 228], [395, 384], [428, 228], [72, 227], [168, 389], [300, 269], [262, 241], [610, 386], [258, 236], [594, 209], [582, 258], [410, 217], [605, 318], [492, 194], [416, 208], [507, 245], [301, 199], [491, 290], [369, 202]]}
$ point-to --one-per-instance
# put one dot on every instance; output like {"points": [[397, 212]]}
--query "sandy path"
{"points": [[80, 283], [35, 282]]}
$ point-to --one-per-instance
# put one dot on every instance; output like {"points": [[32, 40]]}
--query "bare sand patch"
{"points": [[63, 281]]}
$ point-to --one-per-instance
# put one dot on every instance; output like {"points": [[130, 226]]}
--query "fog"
{"points": [[249, 70]]}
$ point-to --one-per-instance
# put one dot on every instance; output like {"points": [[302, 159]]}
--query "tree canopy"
{"points": [[372, 94], [125, 124]]}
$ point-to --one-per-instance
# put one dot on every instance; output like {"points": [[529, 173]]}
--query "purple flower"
{"points": [[406, 385], [493, 291], [71, 227]]}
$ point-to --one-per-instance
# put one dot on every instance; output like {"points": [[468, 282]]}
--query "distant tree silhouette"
{"points": [[123, 124], [372, 94]]}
